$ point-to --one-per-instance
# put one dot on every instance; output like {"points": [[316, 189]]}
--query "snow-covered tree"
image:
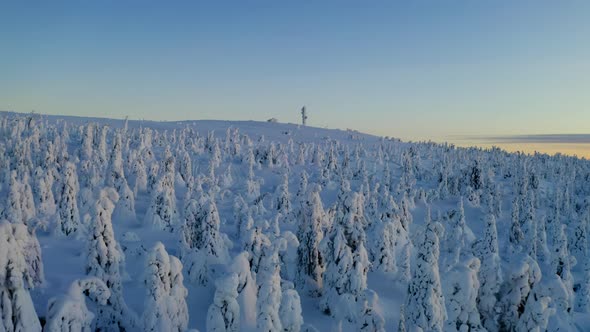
{"points": [[242, 217], [165, 304], [490, 274], [290, 312], [282, 198], [104, 260], [14, 211], [562, 261], [426, 303], [529, 225], [20, 271], [536, 313], [523, 275], [138, 177], [346, 258], [455, 237], [310, 234], [224, 313], [461, 287], [247, 289], [579, 238], [201, 239], [269, 291], [543, 254], [408, 178], [162, 212], [69, 312], [370, 319], [68, 216], [384, 252], [338, 272], [516, 237], [44, 199], [185, 167], [255, 243]]}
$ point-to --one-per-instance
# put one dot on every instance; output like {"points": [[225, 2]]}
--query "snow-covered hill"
{"points": [[257, 226]]}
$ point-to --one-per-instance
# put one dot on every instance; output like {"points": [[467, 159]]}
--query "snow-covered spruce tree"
{"points": [[408, 178], [490, 274], [185, 168], [579, 238], [461, 287], [370, 319], [242, 216], [455, 234], [347, 261], [252, 184], [153, 177], [44, 199], [20, 270], [178, 309], [523, 275], [69, 312], [401, 326], [202, 243], [247, 289], [310, 234], [125, 207], [104, 261], [561, 302], [426, 303], [282, 198], [529, 225], [254, 244], [162, 212], [406, 215], [290, 312], [68, 216], [543, 254], [387, 238], [224, 313], [100, 144], [562, 261], [115, 177], [14, 207], [301, 195], [337, 275], [27, 200], [226, 179], [269, 291], [138, 177], [516, 237], [165, 304], [86, 147], [553, 222], [115, 168], [536, 312]]}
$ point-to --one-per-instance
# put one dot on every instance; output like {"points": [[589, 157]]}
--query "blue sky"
{"points": [[410, 69]]}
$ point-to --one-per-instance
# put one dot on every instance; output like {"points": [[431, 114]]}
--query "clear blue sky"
{"points": [[411, 69]]}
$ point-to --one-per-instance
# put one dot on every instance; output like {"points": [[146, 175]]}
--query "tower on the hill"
{"points": [[303, 116]]}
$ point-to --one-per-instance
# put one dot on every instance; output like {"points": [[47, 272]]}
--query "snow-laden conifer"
{"points": [[426, 303], [69, 311], [165, 305]]}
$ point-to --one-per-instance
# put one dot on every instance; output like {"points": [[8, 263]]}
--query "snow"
{"points": [[283, 227]]}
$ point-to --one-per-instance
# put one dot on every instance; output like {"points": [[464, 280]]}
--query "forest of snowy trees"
{"points": [[112, 225]]}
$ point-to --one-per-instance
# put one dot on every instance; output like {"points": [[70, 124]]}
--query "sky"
{"points": [[415, 69]]}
